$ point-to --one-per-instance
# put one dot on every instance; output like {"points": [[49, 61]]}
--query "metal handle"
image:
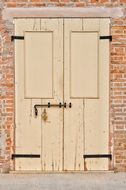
{"points": [[50, 105], [40, 105]]}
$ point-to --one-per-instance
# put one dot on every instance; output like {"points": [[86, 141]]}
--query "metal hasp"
{"points": [[25, 156], [106, 37], [50, 105], [97, 156], [17, 38]]}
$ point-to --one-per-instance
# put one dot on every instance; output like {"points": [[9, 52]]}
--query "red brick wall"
{"points": [[118, 91], [6, 94], [117, 78], [68, 3]]}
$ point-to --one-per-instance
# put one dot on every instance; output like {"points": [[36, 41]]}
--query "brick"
{"points": [[122, 1], [80, 4], [11, 4]]}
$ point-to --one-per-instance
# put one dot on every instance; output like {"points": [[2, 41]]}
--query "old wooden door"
{"points": [[86, 86], [62, 94], [39, 81]]}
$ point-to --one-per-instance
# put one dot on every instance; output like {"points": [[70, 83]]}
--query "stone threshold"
{"points": [[61, 172]]}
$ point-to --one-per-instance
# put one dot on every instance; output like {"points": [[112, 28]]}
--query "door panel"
{"points": [[86, 86], [42, 82], [84, 60], [37, 57]]}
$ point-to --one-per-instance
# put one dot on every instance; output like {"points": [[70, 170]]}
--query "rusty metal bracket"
{"points": [[106, 37], [17, 38], [97, 156]]}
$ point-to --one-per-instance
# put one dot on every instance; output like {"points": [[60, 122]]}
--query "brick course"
{"points": [[117, 78]]}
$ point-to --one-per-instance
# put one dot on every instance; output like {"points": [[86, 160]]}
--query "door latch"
{"points": [[50, 105]]}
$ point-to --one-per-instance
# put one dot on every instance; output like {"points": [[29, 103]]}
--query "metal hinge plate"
{"points": [[97, 156], [25, 156], [17, 38], [106, 37]]}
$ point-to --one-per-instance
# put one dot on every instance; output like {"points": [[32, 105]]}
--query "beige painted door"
{"points": [[61, 61], [86, 86], [39, 80]]}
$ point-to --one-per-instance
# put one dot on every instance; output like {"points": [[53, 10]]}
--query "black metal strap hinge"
{"points": [[97, 156], [25, 156], [17, 38], [106, 37]]}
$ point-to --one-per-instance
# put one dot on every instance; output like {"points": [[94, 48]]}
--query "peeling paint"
{"points": [[85, 167]]}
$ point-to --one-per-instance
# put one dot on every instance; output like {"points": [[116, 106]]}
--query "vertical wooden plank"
{"points": [[52, 136], [28, 128], [97, 110], [73, 117]]}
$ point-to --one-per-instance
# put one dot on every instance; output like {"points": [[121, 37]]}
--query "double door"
{"points": [[62, 94]]}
